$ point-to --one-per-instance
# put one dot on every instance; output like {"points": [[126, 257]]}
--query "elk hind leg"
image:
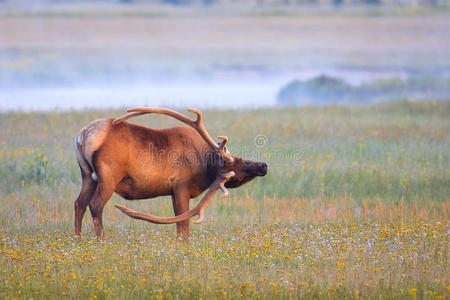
{"points": [[87, 189]]}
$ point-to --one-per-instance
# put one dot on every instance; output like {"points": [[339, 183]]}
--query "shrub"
{"points": [[318, 90], [324, 90]]}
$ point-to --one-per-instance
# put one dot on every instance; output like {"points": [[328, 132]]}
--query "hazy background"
{"points": [[216, 53]]}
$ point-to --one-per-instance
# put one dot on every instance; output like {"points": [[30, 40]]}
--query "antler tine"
{"points": [[224, 142], [221, 184], [227, 155], [201, 128], [198, 113]]}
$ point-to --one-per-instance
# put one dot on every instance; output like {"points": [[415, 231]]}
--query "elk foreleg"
{"points": [[180, 202], [102, 194]]}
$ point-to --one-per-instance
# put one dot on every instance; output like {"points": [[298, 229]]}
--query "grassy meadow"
{"points": [[355, 205]]}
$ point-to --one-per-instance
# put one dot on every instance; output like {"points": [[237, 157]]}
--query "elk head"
{"points": [[244, 170]]}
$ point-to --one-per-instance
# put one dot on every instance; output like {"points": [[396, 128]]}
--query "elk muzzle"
{"points": [[257, 168]]}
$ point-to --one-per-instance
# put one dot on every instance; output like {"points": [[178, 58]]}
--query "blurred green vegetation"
{"points": [[326, 89]]}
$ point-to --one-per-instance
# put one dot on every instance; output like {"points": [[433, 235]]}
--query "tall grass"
{"points": [[356, 204]]}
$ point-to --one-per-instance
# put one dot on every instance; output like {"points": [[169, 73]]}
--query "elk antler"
{"points": [[198, 210], [222, 150], [126, 117], [196, 124]]}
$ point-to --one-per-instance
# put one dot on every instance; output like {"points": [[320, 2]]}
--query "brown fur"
{"points": [[139, 163]]}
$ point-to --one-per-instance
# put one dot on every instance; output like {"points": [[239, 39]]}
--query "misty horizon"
{"points": [[103, 55]]}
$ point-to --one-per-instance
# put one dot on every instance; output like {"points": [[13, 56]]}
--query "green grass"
{"points": [[356, 204]]}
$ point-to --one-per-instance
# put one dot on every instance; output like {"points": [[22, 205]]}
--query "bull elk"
{"points": [[138, 162]]}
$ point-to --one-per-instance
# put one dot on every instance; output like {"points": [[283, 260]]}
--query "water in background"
{"points": [[200, 95], [106, 55], [246, 93]]}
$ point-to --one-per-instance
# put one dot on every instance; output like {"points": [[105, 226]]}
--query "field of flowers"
{"points": [[355, 205], [283, 260]]}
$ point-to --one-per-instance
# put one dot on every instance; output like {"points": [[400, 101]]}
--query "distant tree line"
{"points": [[322, 90]]}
